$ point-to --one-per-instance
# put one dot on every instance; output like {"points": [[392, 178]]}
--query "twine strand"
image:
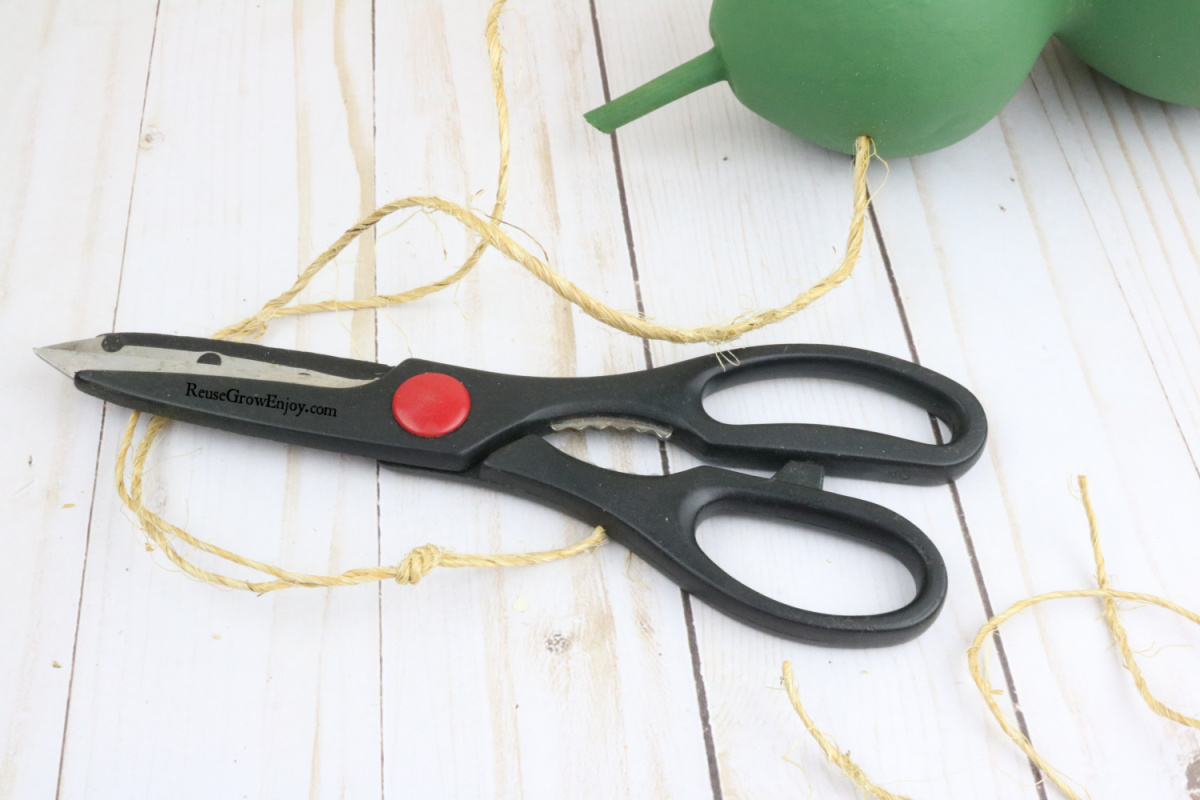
{"points": [[491, 235], [1115, 627], [829, 747], [420, 561], [255, 325], [1111, 620]]}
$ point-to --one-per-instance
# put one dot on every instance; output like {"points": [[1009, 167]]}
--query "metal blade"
{"points": [[89, 354], [615, 423]]}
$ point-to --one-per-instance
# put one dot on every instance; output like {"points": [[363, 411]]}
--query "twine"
{"points": [[418, 563], [423, 559], [492, 235], [1115, 627], [829, 747]]}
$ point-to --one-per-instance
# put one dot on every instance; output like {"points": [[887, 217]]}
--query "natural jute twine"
{"points": [[1111, 619], [492, 235], [423, 559], [829, 747]]}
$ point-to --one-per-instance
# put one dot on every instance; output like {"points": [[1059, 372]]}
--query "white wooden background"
{"points": [[168, 165]]}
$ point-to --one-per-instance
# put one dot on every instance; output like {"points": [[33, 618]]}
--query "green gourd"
{"points": [[917, 75]]}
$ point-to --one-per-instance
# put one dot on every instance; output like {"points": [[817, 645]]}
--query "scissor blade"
{"points": [[107, 353], [290, 396]]}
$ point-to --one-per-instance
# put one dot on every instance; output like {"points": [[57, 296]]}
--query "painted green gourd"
{"points": [[917, 75]]}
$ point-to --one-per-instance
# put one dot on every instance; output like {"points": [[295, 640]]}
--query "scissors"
{"points": [[486, 429]]}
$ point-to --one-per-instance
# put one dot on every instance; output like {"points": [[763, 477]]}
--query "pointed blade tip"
{"points": [[53, 355], [67, 357]]}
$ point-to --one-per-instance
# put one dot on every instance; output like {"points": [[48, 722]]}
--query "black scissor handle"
{"points": [[674, 395], [656, 517], [504, 408]]}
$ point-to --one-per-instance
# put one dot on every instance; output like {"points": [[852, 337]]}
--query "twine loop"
{"points": [[421, 561], [1109, 595]]}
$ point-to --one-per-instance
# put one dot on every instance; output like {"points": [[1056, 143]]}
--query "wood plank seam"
{"points": [[710, 749], [964, 528], [104, 411], [1111, 261], [374, 251], [620, 176], [87, 541]]}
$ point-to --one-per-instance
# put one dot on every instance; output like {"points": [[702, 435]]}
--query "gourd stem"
{"points": [[703, 70]]}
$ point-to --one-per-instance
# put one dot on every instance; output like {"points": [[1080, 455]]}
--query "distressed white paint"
{"points": [[1050, 262], [70, 97]]}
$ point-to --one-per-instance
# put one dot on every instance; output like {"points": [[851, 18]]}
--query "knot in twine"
{"points": [[422, 560], [1111, 620], [419, 562]]}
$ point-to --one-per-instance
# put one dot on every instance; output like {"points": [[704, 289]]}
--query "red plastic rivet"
{"points": [[431, 404]]}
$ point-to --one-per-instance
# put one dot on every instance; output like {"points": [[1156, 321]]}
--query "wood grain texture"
{"points": [[1013, 261], [524, 682], [65, 180], [171, 168], [252, 150], [774, 222]]}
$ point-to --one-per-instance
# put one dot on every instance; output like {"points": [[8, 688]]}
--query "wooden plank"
{"points": [[64, 194], [1020, 271], [1133, 163], [566, 678], [1049, 262], [256, 151], [730, 213]]}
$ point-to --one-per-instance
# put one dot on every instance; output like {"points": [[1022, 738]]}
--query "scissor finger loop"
{"points": [[486, 428]]}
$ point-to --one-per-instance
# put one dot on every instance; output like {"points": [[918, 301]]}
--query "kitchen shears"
{"points": [[486, 428]]}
